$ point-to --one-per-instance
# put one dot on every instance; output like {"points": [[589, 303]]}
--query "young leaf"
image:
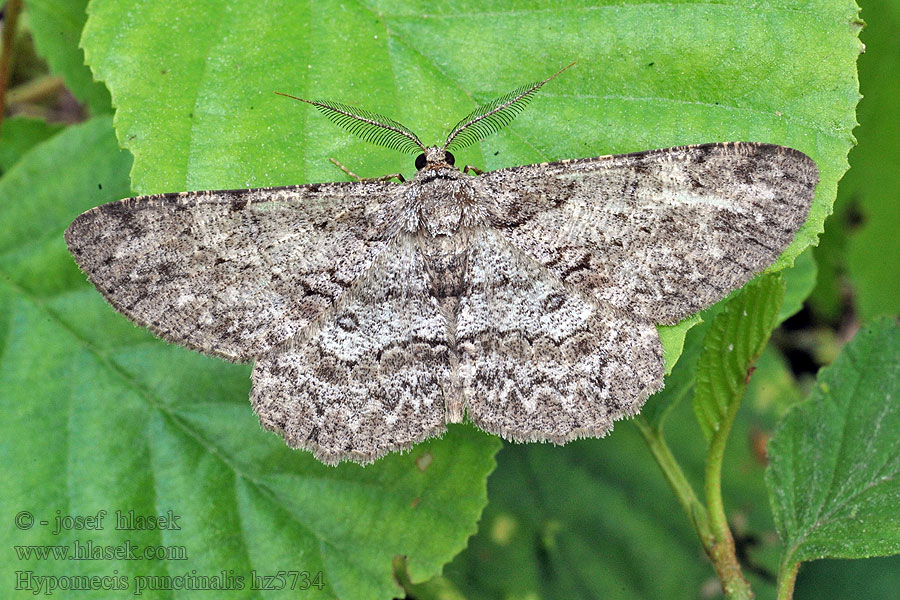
{"points": [[735, 340], [834, 470]]}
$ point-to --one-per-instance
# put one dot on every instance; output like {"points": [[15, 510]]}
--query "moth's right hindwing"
{"points": [[540, 361]]}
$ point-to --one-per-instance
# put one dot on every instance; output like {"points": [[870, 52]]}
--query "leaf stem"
{"points": [[787, 576], [709, 521], [692, 506], [721, 550], [35, 90], [11, 16]]}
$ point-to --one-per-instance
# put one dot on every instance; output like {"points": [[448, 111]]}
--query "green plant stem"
{"points": [[713, 531], [10, 18], [692, 506], [722, 551], [35, 90], [787, 576], [713, 484]]}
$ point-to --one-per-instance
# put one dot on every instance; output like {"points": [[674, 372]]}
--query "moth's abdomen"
{"points": [[447, 274], [446, 259]]}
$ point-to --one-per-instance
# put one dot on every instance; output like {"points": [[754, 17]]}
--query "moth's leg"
{"points": [[367, 179], [475, 170]]}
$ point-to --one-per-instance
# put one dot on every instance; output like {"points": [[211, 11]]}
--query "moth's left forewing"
{"points": [[663, 233], [233, 272]]}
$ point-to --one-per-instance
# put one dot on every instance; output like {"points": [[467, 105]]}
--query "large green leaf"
{"points": [[871, 190], [834, 475], [98, 415], [193, 84], [591, 520], [56, 27], [734, 342], [595, 519], [19, 135]]}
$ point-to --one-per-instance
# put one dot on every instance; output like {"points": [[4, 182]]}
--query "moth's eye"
{"points": [[451, 160], [420, 162]]}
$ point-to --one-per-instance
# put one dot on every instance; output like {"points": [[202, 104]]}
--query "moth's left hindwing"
{"points": [[371, 375]]}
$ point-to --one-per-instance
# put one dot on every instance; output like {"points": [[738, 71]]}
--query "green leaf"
{"points": [[195, 102], [99, 415], [578, 522], [595, 519], [834, 472], [799, 283], [680, 380], [19, 135], [841, 579], [873, 264], [673, 338], [56, 28], [736, 339]]}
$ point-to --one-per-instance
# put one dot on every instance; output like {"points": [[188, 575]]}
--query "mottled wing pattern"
{"points": [[662, 233], [371, 375], [541, 361], [232, 273]]}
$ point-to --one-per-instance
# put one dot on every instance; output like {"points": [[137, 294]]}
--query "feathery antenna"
{"points": [[496, 114], [367, 125]]}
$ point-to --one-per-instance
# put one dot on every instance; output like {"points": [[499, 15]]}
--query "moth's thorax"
{"points": [[443, 199]]}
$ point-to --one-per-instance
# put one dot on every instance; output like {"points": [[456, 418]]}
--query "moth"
{"points": [[524, 299]]}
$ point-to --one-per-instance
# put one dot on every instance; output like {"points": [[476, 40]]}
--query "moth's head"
{"points": [[434, 157]]}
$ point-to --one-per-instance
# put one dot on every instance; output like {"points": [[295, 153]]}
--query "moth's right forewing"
{"points": [[663, 233], [232, 273]]}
